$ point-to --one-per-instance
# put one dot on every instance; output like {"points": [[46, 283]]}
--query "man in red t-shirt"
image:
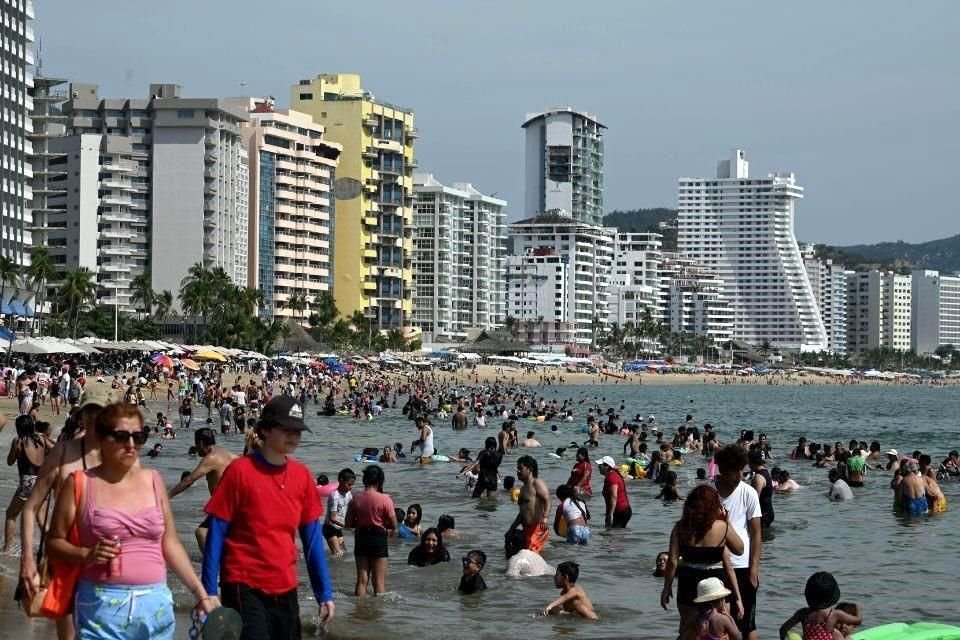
{"points": [[614, 494], [261, 502]]}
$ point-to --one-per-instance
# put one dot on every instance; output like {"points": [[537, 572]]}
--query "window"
{"points": [[306, 96], [185, 114]]}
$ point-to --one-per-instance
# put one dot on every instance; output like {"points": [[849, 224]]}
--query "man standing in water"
{"points": [[79, 453], [487, 465], [213, 460], [743, 513], [763, 485], [459, 420], [534, 506]]}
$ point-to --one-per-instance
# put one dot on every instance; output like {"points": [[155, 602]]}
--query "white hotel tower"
{"points": [[742, 229]]}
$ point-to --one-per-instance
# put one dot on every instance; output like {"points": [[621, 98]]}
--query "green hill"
{"points": [[942, 255], [645, 220]]}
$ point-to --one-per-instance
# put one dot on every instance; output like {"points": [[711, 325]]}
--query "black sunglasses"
{"points": [[123, 437]]}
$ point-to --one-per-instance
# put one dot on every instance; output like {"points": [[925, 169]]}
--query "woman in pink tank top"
{"points": [[127, 539]]}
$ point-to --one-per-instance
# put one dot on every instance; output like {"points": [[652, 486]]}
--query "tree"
{"points": [[143, 293], [9, 276], [77, 291], [164, 305], [511, 324], [396, 340], [361, 324], [40, 272], [765, 347]]}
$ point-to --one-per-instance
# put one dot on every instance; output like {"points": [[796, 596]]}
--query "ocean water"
{"points": [[899, 570]]}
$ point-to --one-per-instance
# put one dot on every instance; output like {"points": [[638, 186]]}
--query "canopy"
{"points": [[210, 355], [190, 364]]}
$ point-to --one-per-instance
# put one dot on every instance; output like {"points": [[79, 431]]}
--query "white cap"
{"points": [[607, 460]]}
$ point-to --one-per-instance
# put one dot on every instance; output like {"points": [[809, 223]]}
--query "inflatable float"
{"points": [[613, 375], [916, 631]]}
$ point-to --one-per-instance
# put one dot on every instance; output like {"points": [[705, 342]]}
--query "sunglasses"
{"points": [[123, 437], [467, 561]]}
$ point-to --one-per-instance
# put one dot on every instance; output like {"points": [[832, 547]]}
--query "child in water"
{"points": [[669, 492], [821, 618], [472, 581], [573, 599], [713, 620]]}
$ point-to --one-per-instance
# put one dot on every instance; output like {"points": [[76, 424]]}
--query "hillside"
{"points": [[942, 255], [640, 220]]}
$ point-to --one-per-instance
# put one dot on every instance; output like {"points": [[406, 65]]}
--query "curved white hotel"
{"points": [[742, 229]]}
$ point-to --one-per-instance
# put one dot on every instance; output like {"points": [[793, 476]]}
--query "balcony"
{"points": [[370, 122], [412, 163], [370, 154], [413, 132], [370, 221], [118, 167], [369, 286], [369, 252], [115, 200]]}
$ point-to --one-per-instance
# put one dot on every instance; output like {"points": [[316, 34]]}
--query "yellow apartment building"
{"points": [[373, 221]]}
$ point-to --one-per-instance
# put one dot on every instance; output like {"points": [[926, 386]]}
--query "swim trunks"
{"points": [[25, 487], [535, 536], [330, 531], [939, 505], [915, 506]]}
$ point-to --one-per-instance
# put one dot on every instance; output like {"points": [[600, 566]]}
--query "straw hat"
{"points": [[709, 590]]}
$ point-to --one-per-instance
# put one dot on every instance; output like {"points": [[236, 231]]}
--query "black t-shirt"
{"points": [[489, 463], [471, 584], [418, 557]]}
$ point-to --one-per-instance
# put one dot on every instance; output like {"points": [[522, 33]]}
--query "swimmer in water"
{"points": [[573, 599]]}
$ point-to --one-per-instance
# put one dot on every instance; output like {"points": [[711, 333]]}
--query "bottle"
{"points": [[115, 568]]}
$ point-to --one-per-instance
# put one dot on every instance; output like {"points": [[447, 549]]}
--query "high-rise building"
{"points": [[151, 186], [564, 164], [459, 259], [48, 179], [291, 213], [878, 311], [635, 280], [692, 299], [17, 149], [558, 271], [935, 313], [373, 252], [742, 228], [829, 284]]}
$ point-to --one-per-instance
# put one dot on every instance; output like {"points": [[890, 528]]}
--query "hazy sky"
{"points": [[859, 99]]}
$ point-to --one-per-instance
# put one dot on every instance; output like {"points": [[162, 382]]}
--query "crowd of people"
{"points": [[112, 517]]}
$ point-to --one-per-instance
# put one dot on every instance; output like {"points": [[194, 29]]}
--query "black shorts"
{"points": [[855, 483], [265, 617], [749, 597], [484, 484], [206, 523], [621, 518], [371, 542], [330, 531]]}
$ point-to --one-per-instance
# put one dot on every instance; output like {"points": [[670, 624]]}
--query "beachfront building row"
{"points": [[829, 283], [459, 259], [635, 282], [691, 300], [742, 228], [935, 311], [163, 178], [878, 311], [290, 213], [558, 271], [373, 224]]}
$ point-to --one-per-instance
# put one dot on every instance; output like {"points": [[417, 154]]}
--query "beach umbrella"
{"points": [[163, 360], [190, 364], [33, 348], [210, 355]]}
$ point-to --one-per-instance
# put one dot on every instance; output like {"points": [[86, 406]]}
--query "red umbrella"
{"points": [[190, 364], [163, 360]]}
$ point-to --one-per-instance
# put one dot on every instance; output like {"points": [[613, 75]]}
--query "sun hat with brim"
{"points": [[98, 397], [822, 590], [283, 412], [892, 452], [607, 460], [710, 589]]}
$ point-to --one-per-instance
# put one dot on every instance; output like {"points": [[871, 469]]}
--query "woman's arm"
{"points": [[673, 558], [58, 548], [177, 559], [14, 451], [556, 519], [733, 541], [732, 579], [350, 520]]}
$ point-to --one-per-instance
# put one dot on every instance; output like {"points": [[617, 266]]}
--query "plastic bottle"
{"points": [[115, 568]]}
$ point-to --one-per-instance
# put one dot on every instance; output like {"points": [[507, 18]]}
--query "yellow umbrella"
{"points": [[209, 355]]}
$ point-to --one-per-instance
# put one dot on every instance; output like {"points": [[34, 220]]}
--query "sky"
{"points": [[861, 100]]}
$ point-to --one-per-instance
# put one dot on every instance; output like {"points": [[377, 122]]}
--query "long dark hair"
{"points": [[566, 492]]}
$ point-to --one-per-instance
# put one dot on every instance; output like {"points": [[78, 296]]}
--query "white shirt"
{"points": [[840, 490], [337, 503], [527, 564], [742, 505], [571, 511]]}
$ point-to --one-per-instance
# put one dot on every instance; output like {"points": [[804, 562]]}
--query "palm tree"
{"points": [[9, 275], [511, 324], [40, 272], [396, 340], [163, 305], [362, 324], [143, 293], [78, 289], [765, 347]]}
